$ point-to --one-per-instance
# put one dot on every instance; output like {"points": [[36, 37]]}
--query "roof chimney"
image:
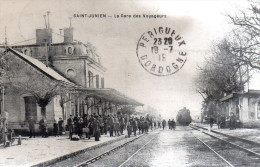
{"points": [[43, 36], [68, 33]]}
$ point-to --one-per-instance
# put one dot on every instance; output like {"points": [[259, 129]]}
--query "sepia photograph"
{"points": [[129, 83]]}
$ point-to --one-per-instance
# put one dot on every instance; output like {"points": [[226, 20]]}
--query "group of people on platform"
{"points": [[171, 124], [96, 125], [114, 125], [57, 127]]}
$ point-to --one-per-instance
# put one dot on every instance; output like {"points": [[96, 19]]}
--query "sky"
{"points": [[199, 22]]}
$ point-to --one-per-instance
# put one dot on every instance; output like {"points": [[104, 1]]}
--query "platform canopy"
{"points": [[109, 95]]}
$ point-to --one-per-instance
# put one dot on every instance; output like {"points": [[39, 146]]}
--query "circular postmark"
{"points": [[160, 51]]}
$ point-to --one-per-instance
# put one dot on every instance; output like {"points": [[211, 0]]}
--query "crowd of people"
{"points": [[95, 125], [114, 125]]}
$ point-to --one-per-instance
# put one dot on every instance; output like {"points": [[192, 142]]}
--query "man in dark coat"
{"points": [[91, 126], [173, 124], [142, 124], [43, 127], [76, 122], [170, 124], [163, 124], [96, 129], [121, 124], [159, 124], [60, 126], [105, 120], [146, 125], [129, 127], [70, 126], [211, 122], [101, 122], [31, 123], [111, 125], [232, 121], [80, 127], [134, 125]]}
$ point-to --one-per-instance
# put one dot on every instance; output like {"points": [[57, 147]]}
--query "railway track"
{"points": [[233, 150], [91, 160], [114, 149]]}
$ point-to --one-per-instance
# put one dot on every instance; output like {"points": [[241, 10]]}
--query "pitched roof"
{"points": [[237, 94], [42, 67], [109, 94], [106, 94]]}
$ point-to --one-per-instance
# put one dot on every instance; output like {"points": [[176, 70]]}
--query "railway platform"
{"points": [[35, 151], [246, 133]]}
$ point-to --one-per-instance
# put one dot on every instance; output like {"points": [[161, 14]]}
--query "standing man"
{"points": [[129, 128], [76, 122], [96, 128], [111, 125], [159, 124], [173, 124], [163, 124], [32, 123], [134, 125], [211, 122], [116, 126], [91, 126], [43, 127], [4, 122], [105, 120], [232, 121], [60, 126], [170, 124], [121, 124], [70, 126]]}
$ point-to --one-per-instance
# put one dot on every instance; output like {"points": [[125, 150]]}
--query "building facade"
{"points": [[245, 106], [72, 63]]}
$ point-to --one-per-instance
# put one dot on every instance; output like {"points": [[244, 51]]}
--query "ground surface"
{"points": [[157, 148]]}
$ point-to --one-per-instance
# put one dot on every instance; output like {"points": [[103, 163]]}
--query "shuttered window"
{"points": [[97, 81], [30, 107], [102, 82]]}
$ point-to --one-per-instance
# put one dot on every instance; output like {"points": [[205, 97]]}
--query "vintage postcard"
{"points": [[118, 83]]}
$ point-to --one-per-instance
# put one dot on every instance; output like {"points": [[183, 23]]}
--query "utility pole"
{"points": [[48, 13], [3, 113], [5, 38], [45, 21]]}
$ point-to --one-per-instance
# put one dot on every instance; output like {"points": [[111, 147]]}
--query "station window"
{"points": [[102, 82], [30, 107], [70, 50], [70, 72], [97, 81], [90, 77]]}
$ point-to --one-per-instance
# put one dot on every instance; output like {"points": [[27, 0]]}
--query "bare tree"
{"points": [[222, 74], [26, 79], [247, 35]]}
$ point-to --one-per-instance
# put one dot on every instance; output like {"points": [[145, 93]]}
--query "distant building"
{"points": [[245, 106]]}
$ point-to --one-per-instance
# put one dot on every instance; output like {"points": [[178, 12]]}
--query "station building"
{"points": [[75, 65], [245, 106]]}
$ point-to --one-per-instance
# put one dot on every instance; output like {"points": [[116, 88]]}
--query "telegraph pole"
{"points": [[3, 114]]}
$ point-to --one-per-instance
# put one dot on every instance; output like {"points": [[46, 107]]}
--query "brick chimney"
{"points": [[68, 35], [43, 35]]}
